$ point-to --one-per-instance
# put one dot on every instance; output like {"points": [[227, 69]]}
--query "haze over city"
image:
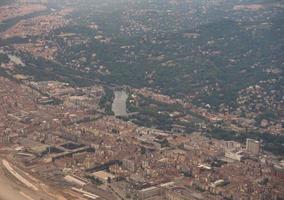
{"points": [[141, 100]]}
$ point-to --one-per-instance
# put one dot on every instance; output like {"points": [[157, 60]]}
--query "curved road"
{"points": [[12, 189], [9, 190]]}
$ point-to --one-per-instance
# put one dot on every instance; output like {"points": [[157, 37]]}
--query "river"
{"points": [[119, 103]]}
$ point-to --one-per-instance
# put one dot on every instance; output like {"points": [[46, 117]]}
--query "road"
{"points": [[13, 189], [9, 190]]}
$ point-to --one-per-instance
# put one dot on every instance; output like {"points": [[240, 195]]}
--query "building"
{"points": [[278, 171], [181, 193], [128, 165], [253, 146], [232, 145], [75, 180], [148, 192], [4, 139], [234, 155], [103, 176]]}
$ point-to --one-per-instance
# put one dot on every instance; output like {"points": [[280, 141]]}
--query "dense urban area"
{"points": [[141, 99]]}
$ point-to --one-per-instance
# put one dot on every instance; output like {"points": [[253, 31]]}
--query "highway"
{"points": [[9, 190], [14, 185]]}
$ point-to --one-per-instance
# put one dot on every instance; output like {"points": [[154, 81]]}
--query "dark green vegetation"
{"points": [[186, 50], [272, 143], [269, 115], [106, 101], [203, 52], [4, 2], [11, 22], [4, 58], [154, 114], [94, 180], [181, 49]]}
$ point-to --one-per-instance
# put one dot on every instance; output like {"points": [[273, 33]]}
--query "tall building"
{"points": [[128, 164], [253, 146], [232, 145]]}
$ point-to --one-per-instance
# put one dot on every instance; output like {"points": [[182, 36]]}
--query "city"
{"points": [[100, 105]]}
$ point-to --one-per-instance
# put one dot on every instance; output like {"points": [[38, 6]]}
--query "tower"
{"points": [[253, 146]]}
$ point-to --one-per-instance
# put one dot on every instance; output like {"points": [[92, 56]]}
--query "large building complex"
{"points": [[253, 146]]}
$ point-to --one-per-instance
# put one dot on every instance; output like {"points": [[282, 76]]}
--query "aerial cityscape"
{"points": [[141, 100]]}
